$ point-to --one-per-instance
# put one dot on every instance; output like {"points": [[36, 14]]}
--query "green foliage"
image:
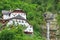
{"points": [[34, 10], [58, 18], [58, 6], [17, 33], [6, 35]]}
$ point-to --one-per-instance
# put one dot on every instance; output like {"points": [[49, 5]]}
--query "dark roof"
{"points": [[17, 17], [18, 11]]}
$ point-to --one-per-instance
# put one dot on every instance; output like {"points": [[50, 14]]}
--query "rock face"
{"points": [[53, 26]]}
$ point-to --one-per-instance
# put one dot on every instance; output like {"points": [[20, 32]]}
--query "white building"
{"points": [[17, 17]]}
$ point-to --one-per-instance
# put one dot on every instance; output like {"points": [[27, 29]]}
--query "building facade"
{"points": [[17, 17]]}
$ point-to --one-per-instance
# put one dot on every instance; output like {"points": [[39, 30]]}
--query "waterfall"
{"points": [[48, 32]]}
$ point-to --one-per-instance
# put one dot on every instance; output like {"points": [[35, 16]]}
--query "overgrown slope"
{"points": [[34, 10]]}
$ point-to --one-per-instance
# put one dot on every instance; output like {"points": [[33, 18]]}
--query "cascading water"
{"points": [[48, 16], [48, 32]]}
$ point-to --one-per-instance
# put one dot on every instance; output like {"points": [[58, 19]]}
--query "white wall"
{"points": [[15, 14], [17, 21], [5, 16], [29, 29], [10, 23], [20, 22]]}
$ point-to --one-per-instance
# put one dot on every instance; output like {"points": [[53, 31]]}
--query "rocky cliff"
{"points": [[53, 26]]}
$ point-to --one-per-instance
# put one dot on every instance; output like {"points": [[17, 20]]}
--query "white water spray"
{"points": [[48, 32]]}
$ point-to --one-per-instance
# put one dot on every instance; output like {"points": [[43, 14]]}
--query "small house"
{"points": [[17, 17]]}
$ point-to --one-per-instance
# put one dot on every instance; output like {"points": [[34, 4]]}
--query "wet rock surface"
{"points": [[51, 18]]}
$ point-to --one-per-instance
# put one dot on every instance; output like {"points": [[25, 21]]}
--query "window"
{"points": [[29, 29], [9, 14], [22, 21], [30, 26], [19, 21], [13, 15]]}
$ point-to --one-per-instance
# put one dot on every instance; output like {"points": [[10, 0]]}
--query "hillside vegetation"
{"points": [[34, 10]]}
